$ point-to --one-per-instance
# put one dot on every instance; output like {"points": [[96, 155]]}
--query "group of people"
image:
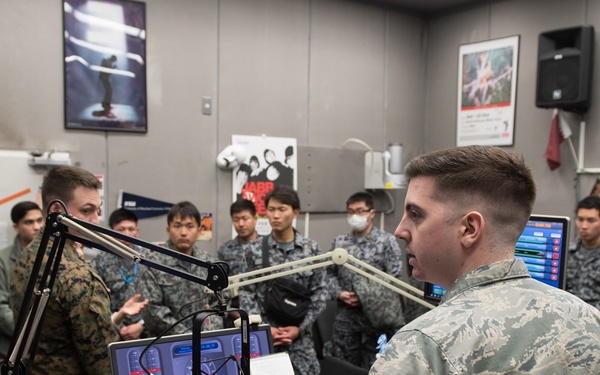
{"points": [[464, 211]]}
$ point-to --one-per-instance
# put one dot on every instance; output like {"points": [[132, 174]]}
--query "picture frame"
{"points": [[105, 65], [487, 88]]}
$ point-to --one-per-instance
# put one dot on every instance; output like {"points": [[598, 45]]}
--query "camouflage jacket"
{"points": [[583, 274], [233, 252], [170, 297], [8, 257], [378, 248], [122, 278], [77, 327], [252, 296], [497, 320]]}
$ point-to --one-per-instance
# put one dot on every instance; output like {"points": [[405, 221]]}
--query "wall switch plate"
{"points": [[207, 105]]}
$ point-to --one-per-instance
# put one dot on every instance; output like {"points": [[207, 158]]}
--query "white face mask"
{"points": [[358, 222]]}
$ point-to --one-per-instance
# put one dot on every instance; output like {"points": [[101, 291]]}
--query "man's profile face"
{"points": [[127, 227], [29, 226], [244, 223], [588, 224], [85, 204], [432, 242], [183, 233]]}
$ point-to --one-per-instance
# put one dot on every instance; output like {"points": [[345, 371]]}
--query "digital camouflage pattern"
{"points": [[233, 252], [123, 285], [8, 257], [77, 326], [170, 297], [583, 274], [497, 320], [354, 337], [302, 352]]}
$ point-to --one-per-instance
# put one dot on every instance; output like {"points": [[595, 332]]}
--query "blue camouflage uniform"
{"points": [[302, 352], [77, 325], [170, 297], [354, 337], [583, 274], [497, 320], [122, 277], [233, 252]]}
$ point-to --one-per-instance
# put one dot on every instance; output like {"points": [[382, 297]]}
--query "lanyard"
{"points": [[129, 279]]}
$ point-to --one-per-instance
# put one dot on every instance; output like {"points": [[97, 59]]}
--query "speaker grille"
{"points": [[560, 81]]}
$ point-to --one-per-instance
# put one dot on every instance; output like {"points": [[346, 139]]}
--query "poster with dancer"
{"points": [[105, 65], [487, 84], [270, 162]]}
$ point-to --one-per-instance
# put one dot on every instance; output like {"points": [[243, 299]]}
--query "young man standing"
{"points": [[27, 219], [464, 211], [171, 297], [120, 275], [243, 216], [286, 244], [583, 272], [354, 337]]}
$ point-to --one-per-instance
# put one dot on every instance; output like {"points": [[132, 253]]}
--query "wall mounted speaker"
{"points": [[565, 62]]}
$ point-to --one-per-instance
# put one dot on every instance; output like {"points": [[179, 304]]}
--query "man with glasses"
{"points": [[354, 336]]}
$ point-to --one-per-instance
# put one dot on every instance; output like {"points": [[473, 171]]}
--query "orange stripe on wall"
{"points": [[15, 196]]}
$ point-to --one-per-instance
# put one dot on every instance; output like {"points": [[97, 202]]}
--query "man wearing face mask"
{"points": [[354, 337]]}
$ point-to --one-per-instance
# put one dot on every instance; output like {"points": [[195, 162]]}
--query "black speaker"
{"points": [[565, 62]]}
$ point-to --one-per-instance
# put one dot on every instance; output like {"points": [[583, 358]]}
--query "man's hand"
{"points": [[349, 298], [132, 331], [284, 335]]}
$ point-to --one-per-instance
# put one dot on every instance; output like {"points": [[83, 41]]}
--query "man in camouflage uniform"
{"points": [[354, 337], [77, 325], [583, 272], [465, 208], [121, 275], [243, 216], [27, 219], [286, 244], [171, 297]]}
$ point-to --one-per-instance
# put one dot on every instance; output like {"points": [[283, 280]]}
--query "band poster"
{"points": [[105, 65], [270, 162], [487, 87]]}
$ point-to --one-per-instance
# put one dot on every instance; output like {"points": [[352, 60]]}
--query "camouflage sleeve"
{"points": [[331, 277], [318, 293], [87, 303], [393, 256], [248, 294], [7, 321], [412, 353]]}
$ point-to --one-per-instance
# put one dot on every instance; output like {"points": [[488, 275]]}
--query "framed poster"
{"points": [[487, 87], [105, 65], [270, 162]]}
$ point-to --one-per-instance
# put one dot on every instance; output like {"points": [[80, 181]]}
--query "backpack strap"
{"points": [[265, 252]]}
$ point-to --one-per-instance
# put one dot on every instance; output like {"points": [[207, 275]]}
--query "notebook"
{"points": [[172, 355]]}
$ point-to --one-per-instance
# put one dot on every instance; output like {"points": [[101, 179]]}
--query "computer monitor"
{"points": [[172, 355], [543, 246]]}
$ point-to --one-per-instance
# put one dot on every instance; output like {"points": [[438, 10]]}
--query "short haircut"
{"points": [[481, 176], [253, 158], [361, 196], [183, 209], [121, 214], [589, 203], [20, 210], [285, 195], [242, 205], [60, 182]]}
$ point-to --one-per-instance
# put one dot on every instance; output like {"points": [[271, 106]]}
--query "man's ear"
{"points": [[55, 207], [472, 227]]}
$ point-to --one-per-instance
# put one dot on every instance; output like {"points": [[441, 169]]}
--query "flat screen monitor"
{"points": [[543, 246], [172, 355]]}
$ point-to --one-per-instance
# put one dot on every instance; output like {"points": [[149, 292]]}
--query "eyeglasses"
{"points": [[358, 211]]}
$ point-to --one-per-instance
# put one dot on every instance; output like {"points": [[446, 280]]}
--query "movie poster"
{"points": [[105, 65], [270, 162]]}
